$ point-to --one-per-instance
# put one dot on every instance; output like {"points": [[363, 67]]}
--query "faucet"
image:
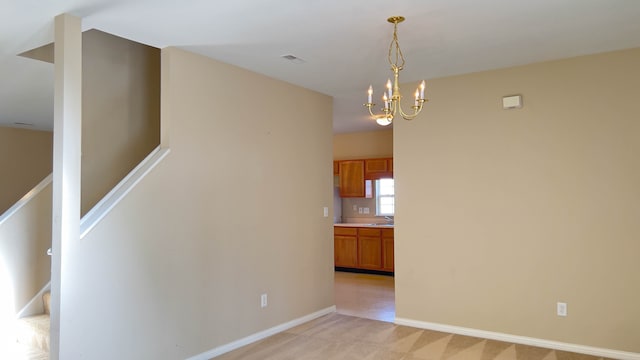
{"points": [[388, 219]]}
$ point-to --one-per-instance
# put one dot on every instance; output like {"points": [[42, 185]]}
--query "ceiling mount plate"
{"points": [[396, 19]]}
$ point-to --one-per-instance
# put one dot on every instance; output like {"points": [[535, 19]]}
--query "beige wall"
{"points": [[120, 110], [25, 237], [233, 211], [362, 145], [25, 159], [501, 214]]}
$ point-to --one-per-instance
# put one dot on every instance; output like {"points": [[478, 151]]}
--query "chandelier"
{"points": [[391, 96]]}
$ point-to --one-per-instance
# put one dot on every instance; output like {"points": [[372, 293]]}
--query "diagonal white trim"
{"points": [[35, 306], [104, 206], [261, 335], [26, 198], [549, 344]]}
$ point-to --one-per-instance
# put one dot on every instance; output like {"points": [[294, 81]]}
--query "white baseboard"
{"points": [[261, 335], [556, 345], [36, 305]]}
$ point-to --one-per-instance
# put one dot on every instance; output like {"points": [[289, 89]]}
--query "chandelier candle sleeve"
{"points": [[391, 96]]}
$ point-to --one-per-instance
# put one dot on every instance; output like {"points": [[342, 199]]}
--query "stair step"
{"points": [[33, 331]]}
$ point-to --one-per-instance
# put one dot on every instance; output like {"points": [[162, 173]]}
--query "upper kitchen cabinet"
{"points": [[378, 168], [352, 178], [356, 175]]}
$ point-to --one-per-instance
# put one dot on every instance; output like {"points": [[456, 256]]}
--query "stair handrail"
{"points": [[113, 197]]}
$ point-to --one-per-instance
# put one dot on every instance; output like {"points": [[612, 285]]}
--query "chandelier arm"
{"points": [[384, 114], [416, 110], [371, 112], [407, 116]]}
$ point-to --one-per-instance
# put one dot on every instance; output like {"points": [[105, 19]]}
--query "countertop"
{"points": [[385, 226]]}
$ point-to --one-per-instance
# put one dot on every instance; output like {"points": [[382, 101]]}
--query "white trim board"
{"points": [[113, 197], [261, 335], [36, 305], [549, 344], [26, 198]]}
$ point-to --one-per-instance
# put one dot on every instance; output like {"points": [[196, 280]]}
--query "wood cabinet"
{"points": [[364, 248], [387, 250], [352, 178], [354, 173], [345, 244], [378, 168], [369, 249]]}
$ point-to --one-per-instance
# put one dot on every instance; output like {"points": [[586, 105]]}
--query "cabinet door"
{"points": [[369, 248], [387, 254], [378, 168], [352, 178], [387, 250], [345, 251], [369, 253]]}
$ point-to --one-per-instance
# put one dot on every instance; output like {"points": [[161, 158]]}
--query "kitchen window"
{"points": [[385, 197]]}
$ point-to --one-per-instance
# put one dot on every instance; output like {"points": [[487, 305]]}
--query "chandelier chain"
{"points": [[398, 53]]}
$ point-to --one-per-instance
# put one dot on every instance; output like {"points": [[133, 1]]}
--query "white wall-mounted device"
{"points": [[512, 102]]}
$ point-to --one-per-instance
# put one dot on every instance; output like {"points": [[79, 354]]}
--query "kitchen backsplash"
{"points": [[360, 210]]}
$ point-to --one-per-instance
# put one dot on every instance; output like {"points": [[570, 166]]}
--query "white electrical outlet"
{"points": [[365, 210], [561, 309], [325, 211], [359, 210], [263, 300]]}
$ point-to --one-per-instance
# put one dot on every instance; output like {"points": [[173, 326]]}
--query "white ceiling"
{"points": [[344, 43]]}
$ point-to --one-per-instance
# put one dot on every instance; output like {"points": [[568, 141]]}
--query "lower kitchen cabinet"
{"points": [[369, 249], [364, 248], [345, 245]]}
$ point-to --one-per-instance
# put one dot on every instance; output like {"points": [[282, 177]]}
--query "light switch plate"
{"points": [[561, 309], [325, 211]]}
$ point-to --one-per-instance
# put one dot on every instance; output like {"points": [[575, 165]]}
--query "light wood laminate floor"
{"points": [[366, 296]]}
